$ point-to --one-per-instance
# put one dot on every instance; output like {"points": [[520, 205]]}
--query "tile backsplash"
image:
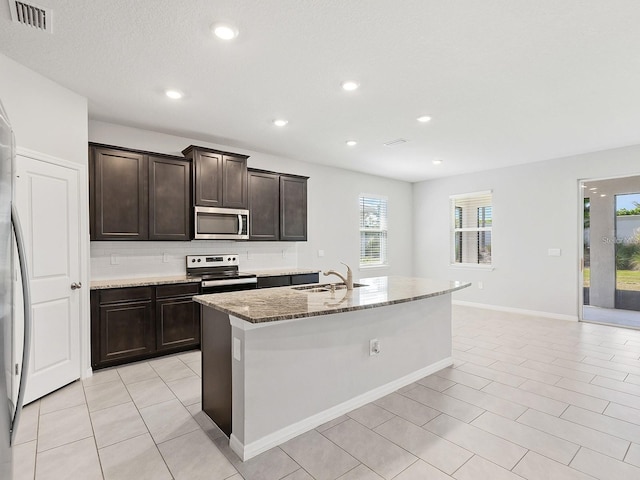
{"points": [[113, 260]]}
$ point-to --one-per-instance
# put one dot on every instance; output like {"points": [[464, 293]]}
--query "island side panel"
{"points": [[296, 372], [216, 367]]}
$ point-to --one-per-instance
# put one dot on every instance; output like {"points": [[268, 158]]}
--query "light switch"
{"points": [[554, 252], [321, 253]]}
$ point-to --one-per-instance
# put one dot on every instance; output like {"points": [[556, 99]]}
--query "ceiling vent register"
{"points": [[31, 15], [393, 143]]}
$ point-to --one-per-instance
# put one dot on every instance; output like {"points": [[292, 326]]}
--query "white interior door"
{"points": [[47, 199]]}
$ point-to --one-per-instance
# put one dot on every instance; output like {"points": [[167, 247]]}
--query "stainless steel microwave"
{"points": [[212, 223]]}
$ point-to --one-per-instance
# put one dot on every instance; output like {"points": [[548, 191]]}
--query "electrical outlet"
{"points": [[374, 347], [320, 253], [237, 349], [480, 285], [165, 258], [114, 259]]}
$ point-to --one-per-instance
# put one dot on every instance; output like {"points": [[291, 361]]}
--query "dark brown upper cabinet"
{"points": [[219, 178], [169, 199], [119, 193], [277, 206], [137, 195], [264, 206], [293, 208]]}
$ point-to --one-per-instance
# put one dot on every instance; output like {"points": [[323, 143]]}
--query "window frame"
{"points": [[457, 231], [383, 257]]}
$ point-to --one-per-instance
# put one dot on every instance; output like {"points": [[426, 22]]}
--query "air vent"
{"points": [[393, 143], [31, 15]]}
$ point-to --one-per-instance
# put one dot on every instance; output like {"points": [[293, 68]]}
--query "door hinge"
{"points": [[17, 369]]}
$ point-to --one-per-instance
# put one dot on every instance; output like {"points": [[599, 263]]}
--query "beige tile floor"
{"points": [[526, 398]]}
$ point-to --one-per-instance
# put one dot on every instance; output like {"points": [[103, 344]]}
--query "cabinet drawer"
{"points": [[304, 278], [183, 289], [276, 281], [114, 295]]}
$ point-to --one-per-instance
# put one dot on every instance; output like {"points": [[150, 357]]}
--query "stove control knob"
{"points": [[199, 260], [193, 260]]}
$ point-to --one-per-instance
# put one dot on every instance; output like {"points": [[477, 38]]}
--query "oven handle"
{"points": [[234, 281]]}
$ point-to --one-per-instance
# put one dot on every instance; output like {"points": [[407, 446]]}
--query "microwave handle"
{"points": [[239, 224]]}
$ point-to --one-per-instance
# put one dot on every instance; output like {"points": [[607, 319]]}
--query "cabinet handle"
{"points": [[76, 286]]}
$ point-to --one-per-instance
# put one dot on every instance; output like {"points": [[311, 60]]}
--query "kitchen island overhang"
{"points": [[279, 362]]}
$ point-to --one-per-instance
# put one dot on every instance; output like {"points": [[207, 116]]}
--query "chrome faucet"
{"points": [[347, 281]]}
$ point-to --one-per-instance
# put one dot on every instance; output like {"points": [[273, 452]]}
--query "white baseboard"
{"points": [[522, 311], [245, 452]]}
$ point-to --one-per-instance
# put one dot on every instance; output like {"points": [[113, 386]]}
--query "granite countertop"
{"points": [[285, 303], [141, 282], [288, 271], [146, 281]]}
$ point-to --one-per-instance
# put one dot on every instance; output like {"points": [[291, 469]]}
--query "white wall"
{"points": [[333, 217], [45, 116], [52, 120], [536, 206]]}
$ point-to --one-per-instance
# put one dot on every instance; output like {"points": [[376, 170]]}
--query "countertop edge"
{"points": [[140, 282]]}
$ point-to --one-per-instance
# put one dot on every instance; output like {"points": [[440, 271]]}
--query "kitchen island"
{"points": [[279, 362]]}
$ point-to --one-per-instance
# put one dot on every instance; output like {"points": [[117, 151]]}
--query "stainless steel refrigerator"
{"points": [[15, 327]]}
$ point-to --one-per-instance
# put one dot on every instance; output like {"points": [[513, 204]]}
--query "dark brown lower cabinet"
{"points": [[177, 317], [129, 324], [126, 326]]}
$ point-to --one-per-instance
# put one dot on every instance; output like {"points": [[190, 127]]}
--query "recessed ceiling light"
{"points": [[174, 94], [436, 161], [593, 188], [352, 143], [280, 122], [603, 194], [224, 31], [350, 85], [424, 118]]}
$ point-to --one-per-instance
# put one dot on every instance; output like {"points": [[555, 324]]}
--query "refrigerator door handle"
{"points": [[26, 296]]}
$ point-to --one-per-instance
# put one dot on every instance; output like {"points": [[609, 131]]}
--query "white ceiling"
{"points": [[506, 81]]}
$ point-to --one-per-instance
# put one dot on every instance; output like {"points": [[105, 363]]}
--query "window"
{"points": [[471, 222], [373, 230]]}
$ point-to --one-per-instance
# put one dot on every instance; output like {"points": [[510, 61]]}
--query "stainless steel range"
{"points": [[220, 273]]}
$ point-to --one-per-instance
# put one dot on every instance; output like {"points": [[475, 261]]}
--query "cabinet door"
{"points": [[234, 183], [169, 199], [120, 192], [126, 331], [293, 208], [264, 209], [177, 323], [208, 179]]}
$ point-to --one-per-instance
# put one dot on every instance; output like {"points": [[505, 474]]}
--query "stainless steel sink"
{"points": [[325, 287]]}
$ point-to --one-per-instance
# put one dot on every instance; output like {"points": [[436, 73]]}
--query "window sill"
{"points": [[371, 267], [471, 266]]}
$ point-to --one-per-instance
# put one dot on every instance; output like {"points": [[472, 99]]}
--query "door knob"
{"points": [[76, 286]]}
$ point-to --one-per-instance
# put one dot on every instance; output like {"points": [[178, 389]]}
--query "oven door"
{"points": [[221, 224]]}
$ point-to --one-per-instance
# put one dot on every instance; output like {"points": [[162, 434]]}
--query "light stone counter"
{"points": [[146, 281], [141, 282], [287, 271], [286, 303]]}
